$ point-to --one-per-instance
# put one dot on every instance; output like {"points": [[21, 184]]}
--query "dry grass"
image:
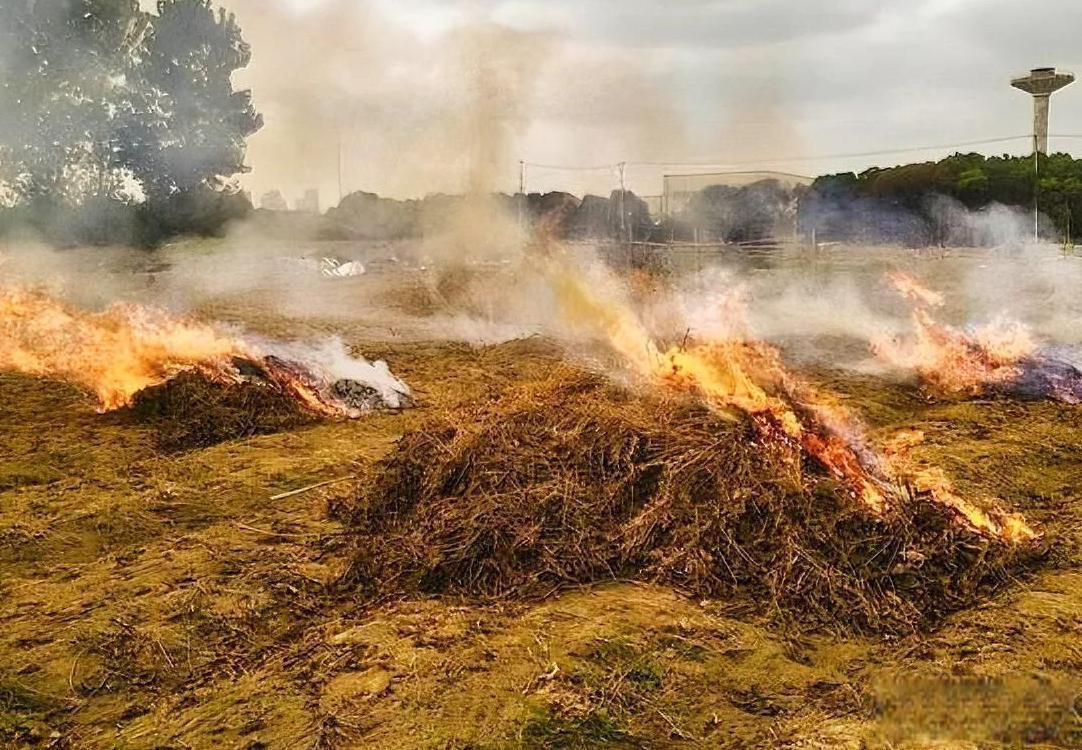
{"points": [[139, 609], [568, 480], [192, 411]]}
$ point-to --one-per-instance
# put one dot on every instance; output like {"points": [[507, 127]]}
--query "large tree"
{"points": [[187, 127], [100, 101], [64, 74]]}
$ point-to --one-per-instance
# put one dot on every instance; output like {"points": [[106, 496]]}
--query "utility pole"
{"points": [[623, 211], [522, 194], [340, 196], [1036, 187]]}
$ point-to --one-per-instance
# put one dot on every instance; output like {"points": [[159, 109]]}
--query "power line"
{"points": [[736, 173], [574, 168], [851, 155]]}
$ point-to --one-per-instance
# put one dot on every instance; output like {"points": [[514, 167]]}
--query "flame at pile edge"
{"points": [[723, 374], [126, 348]]}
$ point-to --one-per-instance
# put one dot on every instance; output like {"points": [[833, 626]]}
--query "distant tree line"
{"points": [[368, 216], [717, 213], [117, 125], [965, 199], [762, 210]]}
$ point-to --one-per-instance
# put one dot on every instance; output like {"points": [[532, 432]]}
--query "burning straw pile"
{"points": [[197, 383], [1000, 357], [192, 410], [573, 480], [205, 406]]}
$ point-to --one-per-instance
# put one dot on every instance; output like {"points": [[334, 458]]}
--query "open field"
{"points": [[164, 600]]}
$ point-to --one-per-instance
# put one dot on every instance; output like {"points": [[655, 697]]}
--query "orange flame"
{"points": [[996, 523], [913, 290], [114, 353], [727, 374], [126, 348], [949, 359], [932, 481], [749, 376]]}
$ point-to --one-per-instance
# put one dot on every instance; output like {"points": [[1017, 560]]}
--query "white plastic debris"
{"points": [[331, 268], [335, 268]]}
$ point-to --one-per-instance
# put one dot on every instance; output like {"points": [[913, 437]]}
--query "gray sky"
{"points": [[738, 83]]}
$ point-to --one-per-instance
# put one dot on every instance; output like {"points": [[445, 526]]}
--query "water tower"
{"points": [[1041, 83]]}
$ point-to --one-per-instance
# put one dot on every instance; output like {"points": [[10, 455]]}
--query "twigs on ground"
{"points": [[309, 488]]}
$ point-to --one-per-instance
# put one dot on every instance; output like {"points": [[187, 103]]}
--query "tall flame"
{"points": [[114, 353], [749, 376], [913, 290], [728, 374]]}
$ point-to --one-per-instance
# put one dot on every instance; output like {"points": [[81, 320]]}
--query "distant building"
{"points": [[309, 204], [273, 201]]}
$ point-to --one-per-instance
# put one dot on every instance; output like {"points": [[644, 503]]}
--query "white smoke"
{"points": [[332, 360]]}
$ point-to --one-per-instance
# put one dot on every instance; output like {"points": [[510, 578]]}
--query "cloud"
{"points": [[696, 24]]}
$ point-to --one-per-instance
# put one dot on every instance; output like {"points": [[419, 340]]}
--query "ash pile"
{"points": [[572, 480]]}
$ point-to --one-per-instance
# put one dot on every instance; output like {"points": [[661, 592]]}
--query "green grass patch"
{"points": [[13, 476], [625, 659], [595, 729]]}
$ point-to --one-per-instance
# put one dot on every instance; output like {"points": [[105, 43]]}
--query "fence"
{"points": [[678, 189]]}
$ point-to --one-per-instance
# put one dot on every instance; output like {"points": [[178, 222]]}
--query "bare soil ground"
{"points": [[164, 601]]}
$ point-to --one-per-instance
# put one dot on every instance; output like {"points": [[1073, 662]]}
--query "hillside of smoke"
{"points": [[1038, 285], [90, 277], [828, 307], [465, 266], [779, 305], [788, 293]]}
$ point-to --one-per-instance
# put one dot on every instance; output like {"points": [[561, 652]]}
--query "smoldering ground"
{"points": [[476, 278]]}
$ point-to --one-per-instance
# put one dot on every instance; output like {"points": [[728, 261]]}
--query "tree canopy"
{"points": [[100, 101], [918, 202]]}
